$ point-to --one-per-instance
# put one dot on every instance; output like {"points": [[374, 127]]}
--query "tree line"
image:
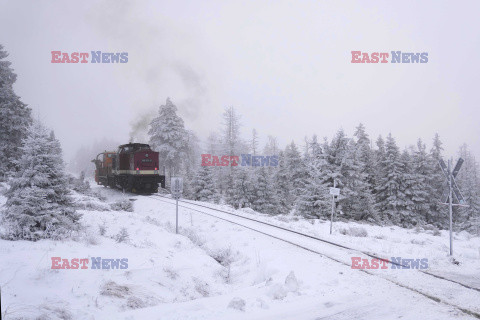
{"points": [[379, 182]]}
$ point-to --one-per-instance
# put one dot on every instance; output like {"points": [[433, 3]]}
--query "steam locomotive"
{"points": [[134, 167]]}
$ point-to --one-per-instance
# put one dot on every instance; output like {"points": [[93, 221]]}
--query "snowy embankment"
{"points": [[212, 270], [393, 241]]}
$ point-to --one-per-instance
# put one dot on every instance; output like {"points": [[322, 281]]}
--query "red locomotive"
{"points": [[134, 167]]}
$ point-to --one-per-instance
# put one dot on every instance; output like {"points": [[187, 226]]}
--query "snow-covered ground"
{"points": [[393, 241], [217, 270]]}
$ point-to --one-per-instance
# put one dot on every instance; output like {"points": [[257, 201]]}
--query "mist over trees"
{"points": [[379, 182]]}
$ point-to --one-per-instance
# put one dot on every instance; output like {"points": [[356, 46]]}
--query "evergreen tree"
{"points": [[355, 200], [203, 185], [14, 119], [38, 204], [437, 182], [365, 156], [365, 177], [422, 189], [265, 199], [283, 186], [169, 137], [243, 193], [378, 160], [336, 170], [295, 168], [389, 189], [313, 200], [408, 197], [468, 181]]}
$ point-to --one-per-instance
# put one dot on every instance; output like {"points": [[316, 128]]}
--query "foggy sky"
{"points": [[285, 67]]}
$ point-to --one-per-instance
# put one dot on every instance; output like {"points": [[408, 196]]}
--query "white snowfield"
{"points": [[217, 270]]}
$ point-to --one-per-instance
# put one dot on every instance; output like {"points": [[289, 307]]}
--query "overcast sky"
{"points": [[285, 66]]}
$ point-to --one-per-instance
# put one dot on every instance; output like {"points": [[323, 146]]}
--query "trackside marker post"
{"points": [[334, 192], [176, 188]]}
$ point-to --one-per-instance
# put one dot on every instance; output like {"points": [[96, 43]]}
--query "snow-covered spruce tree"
{"points": [[289, 178], [422, 189], [356, 200], [296, 170], [468, 180], [389, 192], [409, 194], [14, 118], [334, 169], [265, 198], [364, 184], [378, 160], [203, 185], [313, 200], [365, 156], [282, 186], [437, 181], [243, 193], [38, 202], [169, 137]]}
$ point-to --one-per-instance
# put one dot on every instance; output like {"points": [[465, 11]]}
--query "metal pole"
{"points": [[333, 206], [450, 202], [176, 229]]}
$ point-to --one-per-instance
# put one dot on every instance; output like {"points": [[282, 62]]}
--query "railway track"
{"points": [[188, 205]]}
